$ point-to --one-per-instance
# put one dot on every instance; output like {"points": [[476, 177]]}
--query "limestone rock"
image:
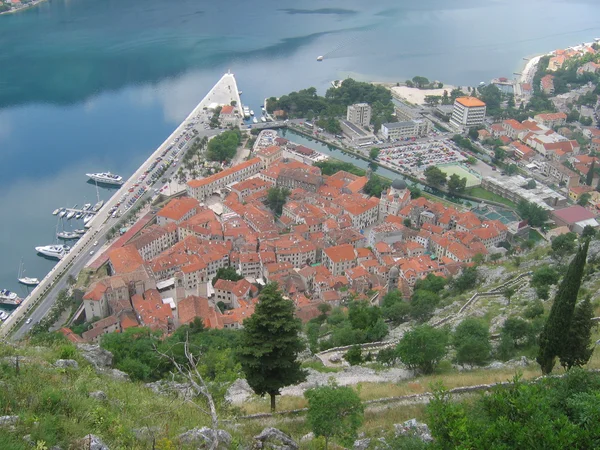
{"points": [[12, 360], [93, 442], [181, 390], [272, 438], [361, 444], [8, 421], [205, 437], [64, 363], [27, 438], [115, 373], [238, 392], [414, 428], [96, 355], [307, 437], [98, 395]]}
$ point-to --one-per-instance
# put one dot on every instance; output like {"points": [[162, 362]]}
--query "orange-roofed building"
{"points": [[152, 312], [232, 292], [522, 151], [551, 120], [513, 128], [339, 258], [468, 112], [203, 188], [124, 260], [68, 333], [270, 154], [193, 306], [177, 210]]}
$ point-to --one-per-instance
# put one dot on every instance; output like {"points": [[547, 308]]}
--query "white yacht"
{"points": [[27, 281], [106, 178], [246, 112], [79, 214], [254, 120], [263, 119], [5, 294], [320, 58], [53, 251], [68, 235], [71, 214], [251, 112], [87, 218], [87, 206], [80, 231], [3, 315], [63, 213], [56, 211]]}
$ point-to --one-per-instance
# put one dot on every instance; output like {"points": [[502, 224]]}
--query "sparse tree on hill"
{"points": [[334, 412], [471, 340], [578, 348], [423, 348], [563, 245], [270, 344], [555, 333]]}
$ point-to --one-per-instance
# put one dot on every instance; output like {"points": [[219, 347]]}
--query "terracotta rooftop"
{"points": [[178, 207], [125, 259], [470, 102]]}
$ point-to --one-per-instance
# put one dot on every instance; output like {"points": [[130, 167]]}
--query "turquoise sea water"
{"points": [[93, 85]]}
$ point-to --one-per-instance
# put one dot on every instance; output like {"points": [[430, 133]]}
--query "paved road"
{"points": [[223, 92]]}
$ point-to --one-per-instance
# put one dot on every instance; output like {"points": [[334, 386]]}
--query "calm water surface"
{"points": [[94, 85]]}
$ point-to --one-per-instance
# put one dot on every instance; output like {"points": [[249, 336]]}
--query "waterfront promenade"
{"points": [[41, 299]]}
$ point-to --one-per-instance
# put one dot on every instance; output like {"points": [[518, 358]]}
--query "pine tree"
{"points": [[576, 350], [557, 327], [590, 175], [270, 345]]}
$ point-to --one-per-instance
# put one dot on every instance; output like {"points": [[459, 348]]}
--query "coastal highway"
{"points": [[223, 93]]}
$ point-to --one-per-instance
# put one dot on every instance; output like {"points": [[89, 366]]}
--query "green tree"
{"points": [[420, 81], [354, 355], [511, 169], [435, 176], [544, 276], [226, 273], [499, 154], [334, 412], [423, 348], [563, 245], [584, 199], [456, 184], [578, 348], [374, 153], [471, 339], [423, 304], [589, 178], [270, 344], [466, 280], [223, 146], [556, 329], [535, 215], [276, 198]]}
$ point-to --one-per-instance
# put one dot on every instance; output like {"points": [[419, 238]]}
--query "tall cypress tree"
{"points": [[577, 350], [557, 328], [590, 175], [270, 345]]}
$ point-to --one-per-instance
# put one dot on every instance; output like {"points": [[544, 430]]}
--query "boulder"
{"points": [[361, 444], [96, 355], [64, 363], [8, 421], [272, 438], [28, 440], [115, 374], [205, 437], [238, 392], [307, 437], [93, 442], [413, 428], [164, 387], [98, 395]]}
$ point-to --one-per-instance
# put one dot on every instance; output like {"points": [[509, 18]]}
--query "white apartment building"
{"points": [[468, 112], [359, 114], [407, 129]]}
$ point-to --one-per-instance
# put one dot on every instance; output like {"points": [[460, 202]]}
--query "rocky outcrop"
{"points": [[181, 390], [98, 395], [96, 356], [511, 364], [413, 428], [238, 392], [361, 444], [66, 363], [114, 373], [8, 421], [93, 442], [205, 437], [274, 439]]}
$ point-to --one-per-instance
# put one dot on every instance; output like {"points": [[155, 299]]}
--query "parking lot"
{"points": [[416, 157]]}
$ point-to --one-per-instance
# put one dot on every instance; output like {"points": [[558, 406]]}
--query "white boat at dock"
{"points": [[68, 235], [254, 120], [56, 211], [246, 112], [106, 178], [79, 231], [87, 206], [87, 218], [251, 112], [63, 213], [98, 205], [53, 251], [70, 215], [27, 281], [263, 119], [79, 214]]}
